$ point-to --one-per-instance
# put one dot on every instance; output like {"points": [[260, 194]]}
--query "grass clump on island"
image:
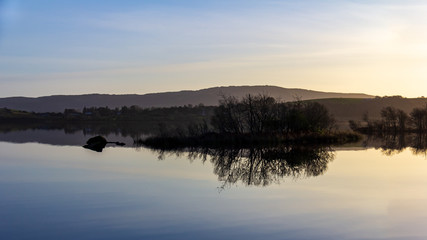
{"points": [[256, 121]]}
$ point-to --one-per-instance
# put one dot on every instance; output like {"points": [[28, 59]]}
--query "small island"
{"points": [[258, 120]]}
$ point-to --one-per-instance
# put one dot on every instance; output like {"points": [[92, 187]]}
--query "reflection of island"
{"points": [[76, 134], [262, 166]]}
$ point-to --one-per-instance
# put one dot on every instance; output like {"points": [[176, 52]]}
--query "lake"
{"points": [[53, 188]]}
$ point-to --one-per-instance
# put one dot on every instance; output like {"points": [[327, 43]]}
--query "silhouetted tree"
{"points": [[402, 119], [262, 114], [389, 118], [228, 116], [419, 119]]}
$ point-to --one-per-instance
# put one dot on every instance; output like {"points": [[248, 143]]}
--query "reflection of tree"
{"points": [[419, 144], [391, 144], [262, 166]]}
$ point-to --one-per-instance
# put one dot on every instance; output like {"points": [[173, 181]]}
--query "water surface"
{"points": [[67, 192]]}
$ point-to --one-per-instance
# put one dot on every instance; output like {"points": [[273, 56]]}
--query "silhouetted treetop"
{"points": [[262, 114]]}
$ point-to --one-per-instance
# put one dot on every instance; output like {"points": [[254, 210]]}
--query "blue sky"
{"points": [[74, 47]]}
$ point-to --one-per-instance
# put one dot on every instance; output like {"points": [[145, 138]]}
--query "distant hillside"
{"points": [[208, 97], [353, 109]]}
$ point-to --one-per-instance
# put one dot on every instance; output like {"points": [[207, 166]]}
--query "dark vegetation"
{"points": [[256, 120], [343, 110], [11, 115], [395, 130], [100, 114], [393, 121], [262, 114], [128, 121], [253, 119], [346, 109]]}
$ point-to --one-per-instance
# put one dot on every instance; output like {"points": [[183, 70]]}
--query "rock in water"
{"points": [[96, 143], [97, 139]]}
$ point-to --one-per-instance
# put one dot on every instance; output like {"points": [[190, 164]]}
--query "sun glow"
{"points": [[374, 47]]}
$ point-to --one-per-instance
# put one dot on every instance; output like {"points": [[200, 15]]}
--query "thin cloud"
{"points": [[304, 43]]}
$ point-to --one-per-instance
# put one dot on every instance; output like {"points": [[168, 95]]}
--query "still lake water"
{"points": [[65, 191]]}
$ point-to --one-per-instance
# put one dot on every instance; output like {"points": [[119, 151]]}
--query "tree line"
{"points": [[262, 114], [393, 120], [136, 113], [133, 113]]}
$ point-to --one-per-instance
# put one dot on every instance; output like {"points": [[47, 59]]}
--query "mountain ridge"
{"points": [[207, 96]]}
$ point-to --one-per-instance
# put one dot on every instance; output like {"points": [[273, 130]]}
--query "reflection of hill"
{"points": [[262, 166]]}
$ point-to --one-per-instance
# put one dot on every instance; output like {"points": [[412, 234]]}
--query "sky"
{"points": [[48, 47]]}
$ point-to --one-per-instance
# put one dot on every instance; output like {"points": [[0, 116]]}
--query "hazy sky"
{"points": [[82, 46]]}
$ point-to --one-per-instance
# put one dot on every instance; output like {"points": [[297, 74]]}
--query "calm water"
{"points": [[64, 191]]}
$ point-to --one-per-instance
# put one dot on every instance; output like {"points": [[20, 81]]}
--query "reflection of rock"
{"points": [[98, 143]]}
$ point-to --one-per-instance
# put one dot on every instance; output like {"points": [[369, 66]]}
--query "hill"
{"points": [[208, 97]]}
